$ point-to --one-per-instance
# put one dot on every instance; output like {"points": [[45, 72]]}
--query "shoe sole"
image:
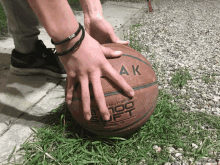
{"points": [[28, 72]]}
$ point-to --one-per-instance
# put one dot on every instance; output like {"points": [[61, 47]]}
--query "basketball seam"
{"points": [[137, 59], [121, 92]]}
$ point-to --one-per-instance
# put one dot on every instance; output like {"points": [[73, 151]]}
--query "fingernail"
{"points": [[128, 42], [87, 117], [106, 117], [123, 42], [132, 94], [118, 52]]}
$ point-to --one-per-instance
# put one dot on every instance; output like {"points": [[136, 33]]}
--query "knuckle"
{"points": [[71, 74]]}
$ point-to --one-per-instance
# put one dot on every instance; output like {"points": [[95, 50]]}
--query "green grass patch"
{"points": [[180, 77], [56, 143], [132, 37], [209, 78], [3, 24]]}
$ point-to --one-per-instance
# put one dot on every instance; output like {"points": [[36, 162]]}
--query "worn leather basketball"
{"points": [[127, 114]]}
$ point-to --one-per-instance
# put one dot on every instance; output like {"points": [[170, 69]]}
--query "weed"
{"points": [[135, 26], [135, 44], [180, 78], [209, 78], [152, 56]]}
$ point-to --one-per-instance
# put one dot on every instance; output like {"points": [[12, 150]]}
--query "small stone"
{"points": [[178, 154], [156, 148], [142, 161], [171, 150], [202, 110], [180, 149], [211, 103], [183, 91], [191, 159], [167, 163], [204, 95], [216, 99], [194, 146]]}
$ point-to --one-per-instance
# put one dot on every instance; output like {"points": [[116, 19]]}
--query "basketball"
{"points": [[127, 114]]}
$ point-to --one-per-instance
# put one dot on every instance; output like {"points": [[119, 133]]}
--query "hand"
{"points": [[101, 30], [87, 65]]}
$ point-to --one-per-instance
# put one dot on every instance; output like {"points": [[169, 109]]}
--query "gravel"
{"points": [[185, 34]]}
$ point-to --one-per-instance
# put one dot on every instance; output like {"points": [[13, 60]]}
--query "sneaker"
{"points": [[43, 61]]}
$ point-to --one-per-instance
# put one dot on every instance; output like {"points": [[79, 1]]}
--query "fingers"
{"points": [[85, 95], [118, 79], [99, 97], [69, 90], [115, 39], [123, 42], [110, 53]]}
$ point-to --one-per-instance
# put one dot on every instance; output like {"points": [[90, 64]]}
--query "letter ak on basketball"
{"points": [[135, 70]]}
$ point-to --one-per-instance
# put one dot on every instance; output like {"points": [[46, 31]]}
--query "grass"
{"points": [[180, 77], [134, 43], [209, 78], [3, 24], [169, 126]]}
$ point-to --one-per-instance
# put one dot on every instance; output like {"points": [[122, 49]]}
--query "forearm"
{"points": [[91, 8], [56, 16]]}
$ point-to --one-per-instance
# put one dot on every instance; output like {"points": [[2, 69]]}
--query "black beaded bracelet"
{"points": [[75, 46], [69, 38]]}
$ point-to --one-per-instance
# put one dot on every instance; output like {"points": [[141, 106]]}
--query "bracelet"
{"points": [[69, 38], [75, 46]]}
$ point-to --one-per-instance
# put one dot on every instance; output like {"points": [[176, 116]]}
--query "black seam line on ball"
{"points": [[122, 92], [136, 59], [115, 130], [134, 88]]}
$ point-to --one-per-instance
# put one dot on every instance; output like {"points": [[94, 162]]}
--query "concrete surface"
{"points": [[25, 100]]}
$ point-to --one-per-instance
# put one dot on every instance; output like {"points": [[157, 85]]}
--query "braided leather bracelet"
{"points": [[69, 38], [75, 46]]}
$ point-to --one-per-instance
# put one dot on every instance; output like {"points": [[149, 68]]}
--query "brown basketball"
{"points": [[127, 114]]}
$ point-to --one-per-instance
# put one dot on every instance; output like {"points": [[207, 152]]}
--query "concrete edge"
{"points": [[120, 32]]}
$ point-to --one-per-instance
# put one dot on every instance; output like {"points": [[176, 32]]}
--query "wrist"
{"points": [[67, 45], [91, 8], [95, 15]]}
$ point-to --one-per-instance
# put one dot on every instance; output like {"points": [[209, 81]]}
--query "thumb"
{"points": [[108, 52], [115, 39]]}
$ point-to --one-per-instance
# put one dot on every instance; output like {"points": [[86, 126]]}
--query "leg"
{"points": [[30, 55], [22, 24]]}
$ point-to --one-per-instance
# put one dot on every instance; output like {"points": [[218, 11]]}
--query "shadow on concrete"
{"points": [[18, 94]]}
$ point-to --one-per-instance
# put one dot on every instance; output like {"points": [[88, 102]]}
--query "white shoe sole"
{"points": [[28, 72]]}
